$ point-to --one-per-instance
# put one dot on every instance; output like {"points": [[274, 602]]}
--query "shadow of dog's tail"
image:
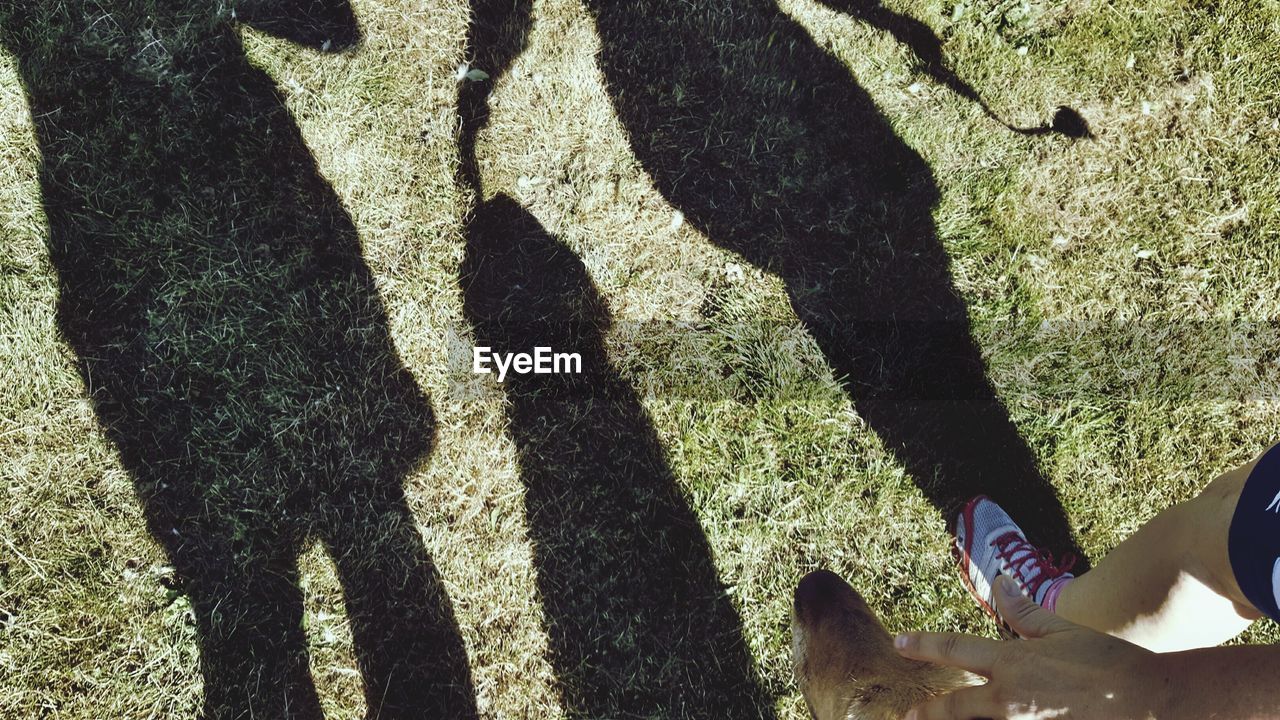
{"points": [[844, 659]]}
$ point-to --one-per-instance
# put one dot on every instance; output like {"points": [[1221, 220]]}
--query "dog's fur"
{"points": [[845, 662]]}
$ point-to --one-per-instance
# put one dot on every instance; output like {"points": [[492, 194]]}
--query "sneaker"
{"points": [[989, 544]]}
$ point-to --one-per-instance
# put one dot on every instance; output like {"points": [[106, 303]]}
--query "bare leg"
{"points": [[1170, 585]]}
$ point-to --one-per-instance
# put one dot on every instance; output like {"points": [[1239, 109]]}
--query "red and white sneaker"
{"points": [[989, 544]]}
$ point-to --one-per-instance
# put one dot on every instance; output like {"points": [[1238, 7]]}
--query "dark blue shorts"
{"points": [[1253, 542]]}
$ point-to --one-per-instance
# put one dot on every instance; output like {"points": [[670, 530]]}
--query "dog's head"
{"points": [[844, 659]]}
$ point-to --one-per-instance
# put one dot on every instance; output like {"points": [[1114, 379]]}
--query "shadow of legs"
{"points": [[253, 654], [639, 623], [919, 380], [410, 654]]}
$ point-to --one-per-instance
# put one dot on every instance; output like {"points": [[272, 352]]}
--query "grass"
{"points": [[1120, 290]]}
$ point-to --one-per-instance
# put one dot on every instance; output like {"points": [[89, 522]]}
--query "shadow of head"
{"points": [[326, 25], [524, 281], [844, 659], [1069, 122], [180, 38]]}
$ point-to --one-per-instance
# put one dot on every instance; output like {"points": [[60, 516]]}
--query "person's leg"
{"points": [[1169, 586]]}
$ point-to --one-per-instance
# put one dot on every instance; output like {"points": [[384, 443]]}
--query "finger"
{"points": [[963, 704], [975, 654], [1026, 617]]}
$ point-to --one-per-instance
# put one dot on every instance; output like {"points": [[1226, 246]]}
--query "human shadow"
{"points": [[770, 147], [234, 344], [639, 624]]}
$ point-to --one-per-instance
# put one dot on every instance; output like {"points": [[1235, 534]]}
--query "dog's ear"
{"points": [[326, 25]]}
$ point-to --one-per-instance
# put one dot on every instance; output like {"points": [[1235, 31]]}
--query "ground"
{"points": [[715, 191]]}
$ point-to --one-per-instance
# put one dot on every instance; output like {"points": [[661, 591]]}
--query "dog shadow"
{"points": [[235, 346], [639, 624]]}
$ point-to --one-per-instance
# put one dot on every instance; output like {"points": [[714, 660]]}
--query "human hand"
{"points": [[1057, 670]]}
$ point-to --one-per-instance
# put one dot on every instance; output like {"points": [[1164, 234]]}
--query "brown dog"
{"points": [[844, 659]]}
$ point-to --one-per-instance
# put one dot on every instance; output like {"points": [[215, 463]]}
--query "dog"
{"points": [[844, 659]]}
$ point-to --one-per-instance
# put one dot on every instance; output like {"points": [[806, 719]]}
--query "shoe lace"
{"points": [[1022, 557]]}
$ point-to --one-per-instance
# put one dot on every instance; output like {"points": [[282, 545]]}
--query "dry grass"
{"points": [[1120, 290]]}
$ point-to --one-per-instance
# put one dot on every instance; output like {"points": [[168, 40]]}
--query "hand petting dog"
{"points": [[1056, 670]]}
